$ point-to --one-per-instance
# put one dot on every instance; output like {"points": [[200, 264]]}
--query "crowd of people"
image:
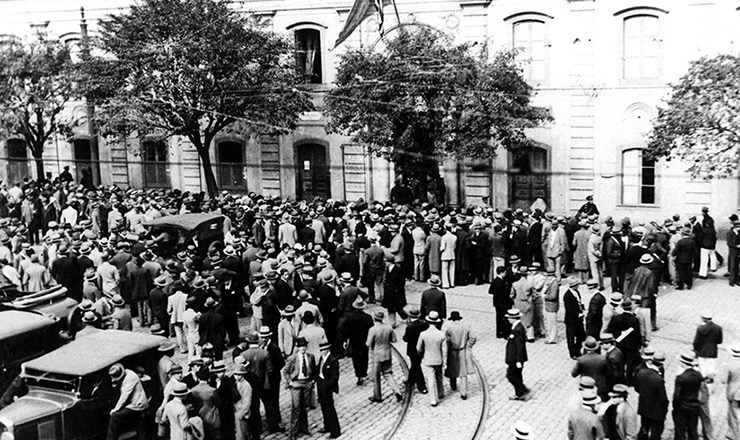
{"points": [[304, 273]]}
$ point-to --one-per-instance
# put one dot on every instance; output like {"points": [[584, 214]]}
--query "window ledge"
{"points": [[641, 206]]}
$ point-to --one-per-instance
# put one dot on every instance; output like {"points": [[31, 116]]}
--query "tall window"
{"points": [[155, 164], [530, 39], [308, 55], [231, 165], [642, 47], [638, 178], [18, 166]]}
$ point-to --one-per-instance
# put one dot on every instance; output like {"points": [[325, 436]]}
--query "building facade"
{"points": [[602, 67]]}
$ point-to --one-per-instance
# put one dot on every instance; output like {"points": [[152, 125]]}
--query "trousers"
{"points": [[551, 327], [435, 385], [516, 379], [299, 402], [651, 429], [448, 274], [707, 261], [416, 376], [686, 423], [125, 419], [733, 418], [420, 262]]}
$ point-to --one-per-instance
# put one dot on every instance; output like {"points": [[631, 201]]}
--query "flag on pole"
{"points": [[361, 10]]}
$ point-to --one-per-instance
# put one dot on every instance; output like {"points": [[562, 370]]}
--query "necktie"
{"points": [[304, 366]]}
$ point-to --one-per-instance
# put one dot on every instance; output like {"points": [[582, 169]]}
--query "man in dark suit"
{"points": [[259, 364], [433, 299], [593, 365], [228, 395], [708, 337], [327, 384], [271, 396], [614, 361], [626, 330], [65, 272], [299, 374], [595, 312], [231, 299], [686, 405], [575, 334], [614, 253], [353, 331], [733, 245], [501, 302], [653, 403], [411, 336], [211, 329], [684, 252], [516, 355]]}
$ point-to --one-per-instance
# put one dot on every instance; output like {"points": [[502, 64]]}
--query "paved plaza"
{"points": [[547, 373]]}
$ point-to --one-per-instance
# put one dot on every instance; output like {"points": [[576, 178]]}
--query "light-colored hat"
{"points": [[513, 314], [116, 372], [433, 317], [573, 282], [646, 259], [734, 350], [521, 430], [434, 281], [117, 300], [688, 358], [160, 281]]}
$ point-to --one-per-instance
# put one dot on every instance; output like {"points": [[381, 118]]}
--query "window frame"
{"points": [[631, 13], [145, 163], [641, 185], [323, 53], [512, 22], [221, 166]]}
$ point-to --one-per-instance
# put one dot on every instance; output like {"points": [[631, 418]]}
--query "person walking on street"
{"points": [[431, 350], [433, 299], [460, 341], [353, 331], [653, 402], [516, 355], [379, 340], [299, 374], [708, 336], [411, 336], [502, 302], [684, 253], [686, 405], [730, 376], [327, 384], [575, 334], [584, 423]]}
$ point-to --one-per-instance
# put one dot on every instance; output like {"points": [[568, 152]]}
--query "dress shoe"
{"points": [[360, 381], [374, 399], [334, 435], [399, 397], [463, 397], [424, 391]]}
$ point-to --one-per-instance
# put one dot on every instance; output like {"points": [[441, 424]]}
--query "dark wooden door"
{"points": [[86, 158], [529, 177], [312, 172]]}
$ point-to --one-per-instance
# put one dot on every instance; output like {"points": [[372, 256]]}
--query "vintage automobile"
{"points": [[70, 394], [24, 335], [173, 233], [52, 301]]}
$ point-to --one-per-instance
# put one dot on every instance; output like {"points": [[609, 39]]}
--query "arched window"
{"points": [[530, 38], [638, 178], [155, 162], [230, 156], [308, 57], [642, 47]]}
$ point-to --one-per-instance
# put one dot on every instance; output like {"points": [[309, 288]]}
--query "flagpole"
{"points": [[395, 8]]}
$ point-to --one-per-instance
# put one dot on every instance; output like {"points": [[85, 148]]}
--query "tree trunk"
{"points": [[39, 167], [211, 184]]}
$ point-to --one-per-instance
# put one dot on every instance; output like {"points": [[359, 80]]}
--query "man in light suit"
{"points": [[327, 384], [556, 244], [379, 340], [584, 423], [176, 308], [299, 374], [420, 251], [447, 255], [731, 376], [431, 350]]}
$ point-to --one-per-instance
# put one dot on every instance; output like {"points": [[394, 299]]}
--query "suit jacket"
{"points": [[500, 292], [620, 324], [595, 314], [431, 346], [211, 329], [516, 345], [379, 340], [207, 401], [354, 328], [642, 284], [259, 363], [731, 376], [292, 368], [686, 390], [447, 246], [433, 299], [653, 402], [573, 306], [615, 368], [558, 245], [684, 251], [583, 424], [329, 369], [708, 336], [411, 336], [613, 248], [594, 366]]}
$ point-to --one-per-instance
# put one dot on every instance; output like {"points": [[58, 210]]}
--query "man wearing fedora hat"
{"points": [[327, 384], [374, 269], [299, 374], [211, 328], [584, 423], [618, 416], [431, 347], [686, 404], [414, 328], [271, 396], [730, 375], [626, 330], [733, 246], [121, 316], [259, 364], [653, 402], [379, 340], [433, 298], [706, 339], [575, 333], [394, 291], [354, 330], [447, 247], [594, 365], [516, 355], [131, 404], [158, 304], [460, 341], [684, 253], [243, 402]]}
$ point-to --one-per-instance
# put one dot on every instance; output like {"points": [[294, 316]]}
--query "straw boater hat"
{"points": [[688, 358], [265, 332], [606, 338], [325, 345], [646, 259], [615, 299], [434, 281], [346, 277], [586, 383], [289, 311], [433, 317], [619, 390], [359, 304], [90, 317], [658, 359], [218, 367], [117, 300], [160, 281], [513, 314], [521, 431], [573, 282], [734, 350]]}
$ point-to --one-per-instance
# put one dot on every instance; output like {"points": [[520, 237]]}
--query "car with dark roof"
{"points": [[69, 391], [173, 233], [52, 301]]}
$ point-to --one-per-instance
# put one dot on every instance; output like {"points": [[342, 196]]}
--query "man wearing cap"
{"points": [[584, 423], [354, 330], [588, 208], [411, 336], [626, 330], [593, 365], [706, 339], [131, 404], [618, 416], [460, 341], [653, 402], [516, 355], [575, 334], [431, 347], [686, 404], [730, 375], [684, 253], [327, 384], [175, 414], [733, 245], [433, 298], [379, 340], [299, 374]]}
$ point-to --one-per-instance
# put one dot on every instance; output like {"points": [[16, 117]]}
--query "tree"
{"points": [[37, 80], [700, 123], [425, 97], [192, 68]]}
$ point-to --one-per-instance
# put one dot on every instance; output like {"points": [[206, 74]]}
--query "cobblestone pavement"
{"points": [[547, 373]]}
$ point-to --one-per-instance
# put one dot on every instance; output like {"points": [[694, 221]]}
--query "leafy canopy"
{"points": [[425, 96], [37, 80], [700, 123]]}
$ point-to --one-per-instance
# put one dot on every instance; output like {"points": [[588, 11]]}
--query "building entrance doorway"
{"points": [[312, 172], [529, 177]]}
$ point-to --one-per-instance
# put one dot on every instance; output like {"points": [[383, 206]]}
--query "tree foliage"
{"points": [[37, 80], [425, 97], [192, 68], [700, 122]]}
